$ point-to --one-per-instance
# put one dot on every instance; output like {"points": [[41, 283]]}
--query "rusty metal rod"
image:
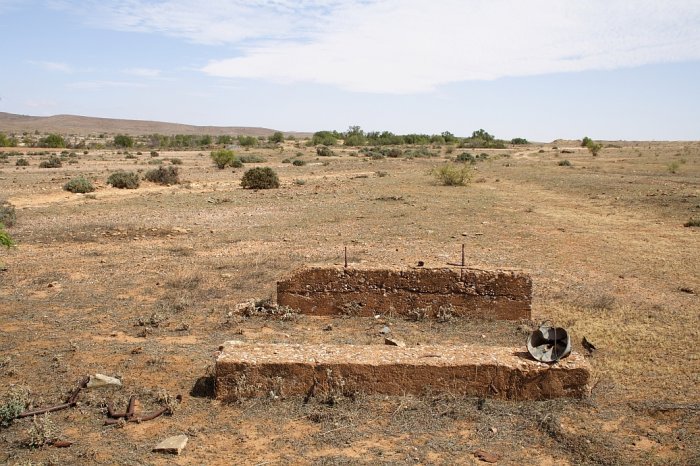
{"points": [[70, 402]]}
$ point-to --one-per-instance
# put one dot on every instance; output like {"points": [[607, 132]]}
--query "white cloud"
{"points": [[98, 84], [216, 21], [52, 66], [409, 46], [143, 72], [413, 46]]}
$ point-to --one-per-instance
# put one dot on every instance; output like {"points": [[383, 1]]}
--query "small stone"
{"points": [[101, 380], [487, 456], [328, 328], [173, 445], [493, 430], [385, 330], [392, 341], [180, 230]]}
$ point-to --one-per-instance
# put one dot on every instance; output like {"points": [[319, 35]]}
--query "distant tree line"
{"points": [[355, 136]]}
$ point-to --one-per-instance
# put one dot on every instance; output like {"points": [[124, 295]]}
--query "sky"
{"points": [[539, 69]]}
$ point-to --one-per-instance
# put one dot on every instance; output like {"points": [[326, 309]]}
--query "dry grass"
{"points": [[603, 240]]}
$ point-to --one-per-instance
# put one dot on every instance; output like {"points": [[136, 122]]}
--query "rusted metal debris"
{"points": [[71, 401], [549, 344], [130, 414]]}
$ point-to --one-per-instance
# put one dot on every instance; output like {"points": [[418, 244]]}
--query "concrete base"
{"points": [[256, 370], [426, 292]]}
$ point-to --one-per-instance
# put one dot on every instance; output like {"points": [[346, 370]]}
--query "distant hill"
{"points": [[82, 125]]}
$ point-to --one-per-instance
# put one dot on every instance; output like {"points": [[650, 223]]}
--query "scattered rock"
{"points": [[486, 456], [101, 380], [588, 345], [173, 445], [385, 330], [328, 328], [685, 289], [393, 341]]}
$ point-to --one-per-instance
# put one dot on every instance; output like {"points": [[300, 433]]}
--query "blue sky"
{"points": [[540, 69]]}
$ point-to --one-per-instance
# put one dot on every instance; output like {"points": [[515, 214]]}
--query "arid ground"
{"points": [[143, 284]]}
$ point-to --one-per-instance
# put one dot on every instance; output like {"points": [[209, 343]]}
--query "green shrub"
{"points": [[5, 238], [79, 184], [247, 141], [164, 175], [299, 163], [251, 158], [8, 216], [52, 162], [123, 140], [15, 402], [124, 180], [130, 156], [52, 140], [176, 161], [22, 162], [519, 141], [586, 141], [673, 167], [260, 178], [300, 182], [154, 153], [276, 138], [155, 162], [452, 175], [594, 148], [326, 138], [324, 151], [287, 161], [564, 163], [465, 157], [223, 158]]}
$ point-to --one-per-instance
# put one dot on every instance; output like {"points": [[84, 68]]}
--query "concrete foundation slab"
{"points": [[253, 370], [499, 295]]}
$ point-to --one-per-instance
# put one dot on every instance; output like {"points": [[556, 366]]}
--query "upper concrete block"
{"points": [[479, 293]]}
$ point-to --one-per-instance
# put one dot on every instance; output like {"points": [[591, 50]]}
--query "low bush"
{"points": [[224, 158], [5, 238], [260, 178], [164, 175], [564, 163], [299, 163], [176, 161], [124, 180], [251, 158], [79, 184], [693, 222], [8, 216], [286, 161], [154, 153], [22, 162], [465, 157], [52, 162], [452, 175], [324, 151]]}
